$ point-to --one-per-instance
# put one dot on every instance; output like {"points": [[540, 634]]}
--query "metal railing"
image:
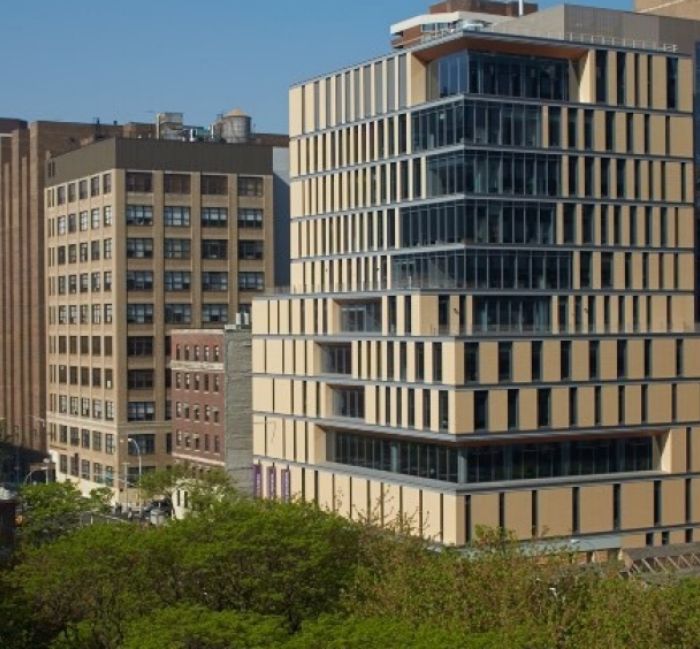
{"points": [[512, 28]]}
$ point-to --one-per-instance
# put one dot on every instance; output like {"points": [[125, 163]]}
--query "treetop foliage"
{"points": [[250, 573]]}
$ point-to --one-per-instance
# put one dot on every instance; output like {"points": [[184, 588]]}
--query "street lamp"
{"points": [[46, 466], [131, 440]]}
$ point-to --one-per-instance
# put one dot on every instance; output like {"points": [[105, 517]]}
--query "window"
{"points": [[672, 83], [139, 215], [83, 189], [215, 313], [139, 182], [471, 362], [505, 353], [214, 217], [139, 346], [176, 216], [593, 364], [437, 362], [544, 398], [513, 398], [250, 249], [139, 280], [349, 402], [621, 359], [176, 183], [139, 313], [143, 443], [84, 221], [141, 411], [95, 218], [251, 281], [106, 183], [177, 280], [536, 360], [250, 186], [95, 186], [139, 248], [107, 215], [176, 248], [565, 361], [178, 313], [601, 76], [481, 403], [214, 281], [214, 249], [250, 218], [443, 410], [140, 379], [214, 185]]}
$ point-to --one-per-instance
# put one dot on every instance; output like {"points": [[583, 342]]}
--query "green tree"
{"points": [[267, 557], [338, 632], [188, 627], [203, 489], [50, 510], [86, 585]]}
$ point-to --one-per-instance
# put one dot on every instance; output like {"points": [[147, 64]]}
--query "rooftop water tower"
{"points": [[233, 127]]}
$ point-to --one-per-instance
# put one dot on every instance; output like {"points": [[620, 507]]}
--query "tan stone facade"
{"points": [[143, 237], [492, 311], [23, 151]]}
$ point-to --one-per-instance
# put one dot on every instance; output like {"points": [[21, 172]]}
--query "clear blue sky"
{"points": [[126, 59]]}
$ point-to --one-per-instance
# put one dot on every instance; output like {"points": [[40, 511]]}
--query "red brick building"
{"points": [[198, 397]]}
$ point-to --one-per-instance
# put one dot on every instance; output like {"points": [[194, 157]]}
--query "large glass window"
{"points": [[478, 222], [493, 172], [349, 402], [365, 316], [484, 73], [477, 122], [481, 269], [492, 462]]}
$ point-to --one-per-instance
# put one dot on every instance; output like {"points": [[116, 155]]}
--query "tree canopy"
{"points": [[250, 573]]}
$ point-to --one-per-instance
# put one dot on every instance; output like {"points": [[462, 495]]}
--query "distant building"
{"points": [[491, 313], [211, 394], [672, 8], [24, 149], [454, 16], [143, 237]]}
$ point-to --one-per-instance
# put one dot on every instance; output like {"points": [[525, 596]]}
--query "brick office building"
{"points": [[144, 237], [23, 151], [210, 378]]}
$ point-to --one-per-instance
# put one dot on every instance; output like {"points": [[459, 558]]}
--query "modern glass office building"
{"points": [[491, 317]]}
